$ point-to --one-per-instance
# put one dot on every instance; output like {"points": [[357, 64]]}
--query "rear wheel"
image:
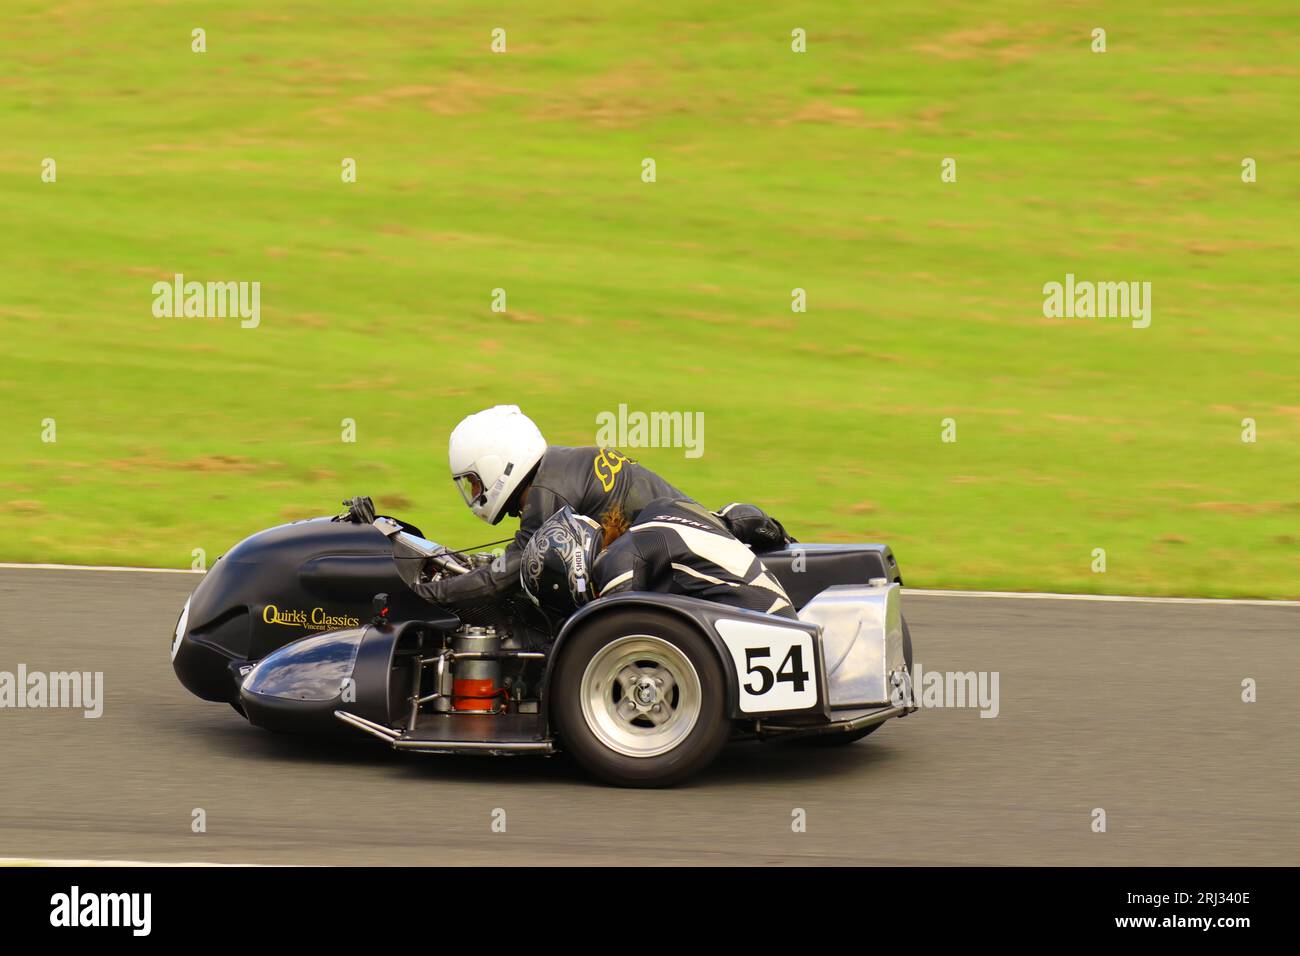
{"points": [[640, 700]]}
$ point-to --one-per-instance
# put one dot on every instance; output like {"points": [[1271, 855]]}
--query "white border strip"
{"points": [[922, 592], [37, 861]]}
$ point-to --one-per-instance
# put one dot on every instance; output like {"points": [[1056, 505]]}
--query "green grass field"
{"points": [[775, 170]]}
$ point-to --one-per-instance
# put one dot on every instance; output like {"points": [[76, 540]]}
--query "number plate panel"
{"points": [[778, 669]]}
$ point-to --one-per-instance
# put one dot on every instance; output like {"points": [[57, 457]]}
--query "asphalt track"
{"points": [[1134, 708]]}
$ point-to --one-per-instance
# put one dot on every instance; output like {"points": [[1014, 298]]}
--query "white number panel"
{"points": [[776, 665]]}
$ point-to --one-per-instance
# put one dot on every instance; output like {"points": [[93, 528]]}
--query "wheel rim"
{"points": [[640, 696]]}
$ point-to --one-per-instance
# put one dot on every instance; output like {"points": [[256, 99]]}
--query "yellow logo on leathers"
{"points": [[607, 465]]}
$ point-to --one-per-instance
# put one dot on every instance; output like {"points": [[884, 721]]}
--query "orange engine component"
{"points": [[472, 694]]}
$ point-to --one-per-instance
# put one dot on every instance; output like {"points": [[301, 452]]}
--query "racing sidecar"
{"points": [[309, 627]]}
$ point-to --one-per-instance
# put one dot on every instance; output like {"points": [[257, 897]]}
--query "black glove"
{"points": [[361, 510], [488, 583]]}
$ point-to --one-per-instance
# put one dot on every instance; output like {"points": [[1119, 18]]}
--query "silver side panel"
{"points": [[862, 642]]}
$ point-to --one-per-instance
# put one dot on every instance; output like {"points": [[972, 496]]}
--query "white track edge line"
{"points": [[94, 567], [1116, 598], [921, 592]]}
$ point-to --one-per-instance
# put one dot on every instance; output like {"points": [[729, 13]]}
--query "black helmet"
{"points": [[557, 561]]}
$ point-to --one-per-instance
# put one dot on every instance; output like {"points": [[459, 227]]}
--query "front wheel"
{"points": [[640, 700]]}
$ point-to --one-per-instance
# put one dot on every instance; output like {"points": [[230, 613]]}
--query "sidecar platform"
{"points": [[494, 735]]}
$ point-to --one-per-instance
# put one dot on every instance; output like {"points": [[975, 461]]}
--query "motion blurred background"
{"points": [[776, 170]]}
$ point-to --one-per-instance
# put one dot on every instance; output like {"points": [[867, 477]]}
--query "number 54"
{"points": [[791, 670]]}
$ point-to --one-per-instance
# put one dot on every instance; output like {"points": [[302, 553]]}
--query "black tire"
{"points": [[853, 736], [605, 639]]}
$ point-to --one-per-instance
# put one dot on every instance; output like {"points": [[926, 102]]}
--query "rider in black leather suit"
{"points": [[591, 481], [502, 465]]}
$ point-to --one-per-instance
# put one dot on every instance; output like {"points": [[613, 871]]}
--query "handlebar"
{"points": [[439, 556]]}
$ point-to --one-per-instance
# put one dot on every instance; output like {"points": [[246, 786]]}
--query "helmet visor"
{"points": [[470, 485]]}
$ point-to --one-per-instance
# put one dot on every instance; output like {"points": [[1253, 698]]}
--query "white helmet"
{"points": [[491, 453]]}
